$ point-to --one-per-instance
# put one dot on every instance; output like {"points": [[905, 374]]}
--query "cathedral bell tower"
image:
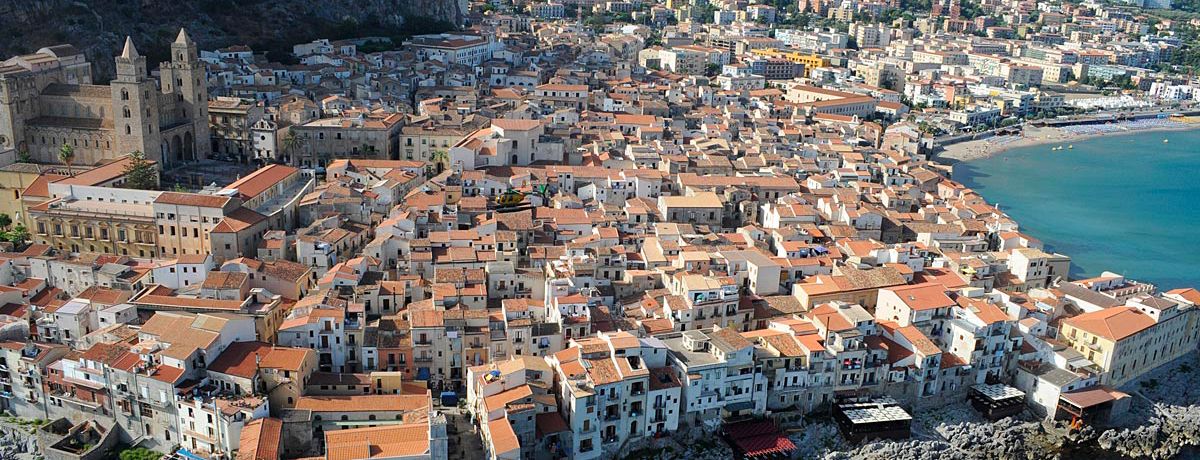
{"points": [[135, 107], [183, 77]]}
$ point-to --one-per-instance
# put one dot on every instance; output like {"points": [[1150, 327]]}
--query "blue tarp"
{"points": [[422, 373], [186, 454]]}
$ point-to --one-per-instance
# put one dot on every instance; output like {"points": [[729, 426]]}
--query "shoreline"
{"points": [[1034, 136]]}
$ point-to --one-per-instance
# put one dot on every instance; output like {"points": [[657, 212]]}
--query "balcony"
{"points": [[612, 417], [423, 359]]}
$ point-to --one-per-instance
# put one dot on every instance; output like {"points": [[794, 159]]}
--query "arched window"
{"points": [[124, 95], [126, 111], [128, 130]]}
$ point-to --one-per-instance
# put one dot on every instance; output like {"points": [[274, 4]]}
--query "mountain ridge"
{"points": [[98, 27]]}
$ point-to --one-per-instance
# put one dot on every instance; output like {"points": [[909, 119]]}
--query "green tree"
{"points": [[439, 161], [23, 155], [140, 453], [140, 174], [18, 235], [5, 221], [66, 154]]}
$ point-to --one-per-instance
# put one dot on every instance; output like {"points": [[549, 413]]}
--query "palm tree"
{"points": [[292, 142], [66, 154]]}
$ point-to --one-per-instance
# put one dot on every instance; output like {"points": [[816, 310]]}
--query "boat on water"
{"points": [[1165, 141], [1071, 146]]}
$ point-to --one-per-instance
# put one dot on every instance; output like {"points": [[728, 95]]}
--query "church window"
{"points": [[124, 95], [128, 130], [126, 111]]}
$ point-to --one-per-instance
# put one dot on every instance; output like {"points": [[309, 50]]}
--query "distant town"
{"points": [[587, 230]]}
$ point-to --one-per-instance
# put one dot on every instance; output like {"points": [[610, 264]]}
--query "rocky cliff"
{"points": [[99, 27]]}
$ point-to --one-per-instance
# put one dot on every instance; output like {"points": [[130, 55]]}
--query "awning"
{"points": [[771, 444], [758, 438], [84, 383], [739, 406], [368, 422]]}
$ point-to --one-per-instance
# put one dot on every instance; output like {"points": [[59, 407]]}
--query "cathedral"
{"points": [[47, 99]]}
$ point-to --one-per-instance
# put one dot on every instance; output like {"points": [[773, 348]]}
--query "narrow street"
{"points": [[463, 438]]}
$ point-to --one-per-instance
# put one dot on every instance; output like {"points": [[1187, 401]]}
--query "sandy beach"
{"points": [[1033, 135]]}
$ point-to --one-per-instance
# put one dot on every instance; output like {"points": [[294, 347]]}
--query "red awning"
{"points": [[765, 445], [758, 438]]}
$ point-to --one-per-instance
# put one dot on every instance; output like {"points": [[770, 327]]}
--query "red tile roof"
{"points": [[260, 439], [259, 181]]}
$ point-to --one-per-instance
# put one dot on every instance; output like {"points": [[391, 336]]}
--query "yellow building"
{"points": [[14, 179], [83, 218], [1130, 340], [810, 61]]}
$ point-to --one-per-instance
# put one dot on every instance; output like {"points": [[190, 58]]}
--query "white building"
{"points": [[716, 368], [615, 388]]}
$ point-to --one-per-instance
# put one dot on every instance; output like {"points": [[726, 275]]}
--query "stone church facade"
{"points": [[47, 99]]}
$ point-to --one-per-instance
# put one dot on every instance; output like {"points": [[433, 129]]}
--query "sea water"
{"points": [[1123, 203]]}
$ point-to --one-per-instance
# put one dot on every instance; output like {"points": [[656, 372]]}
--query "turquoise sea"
{"points": [[1123, 203]]}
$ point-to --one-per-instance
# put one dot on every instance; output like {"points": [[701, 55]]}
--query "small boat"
{"points": [[1071, 146], [1165, 141]]}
